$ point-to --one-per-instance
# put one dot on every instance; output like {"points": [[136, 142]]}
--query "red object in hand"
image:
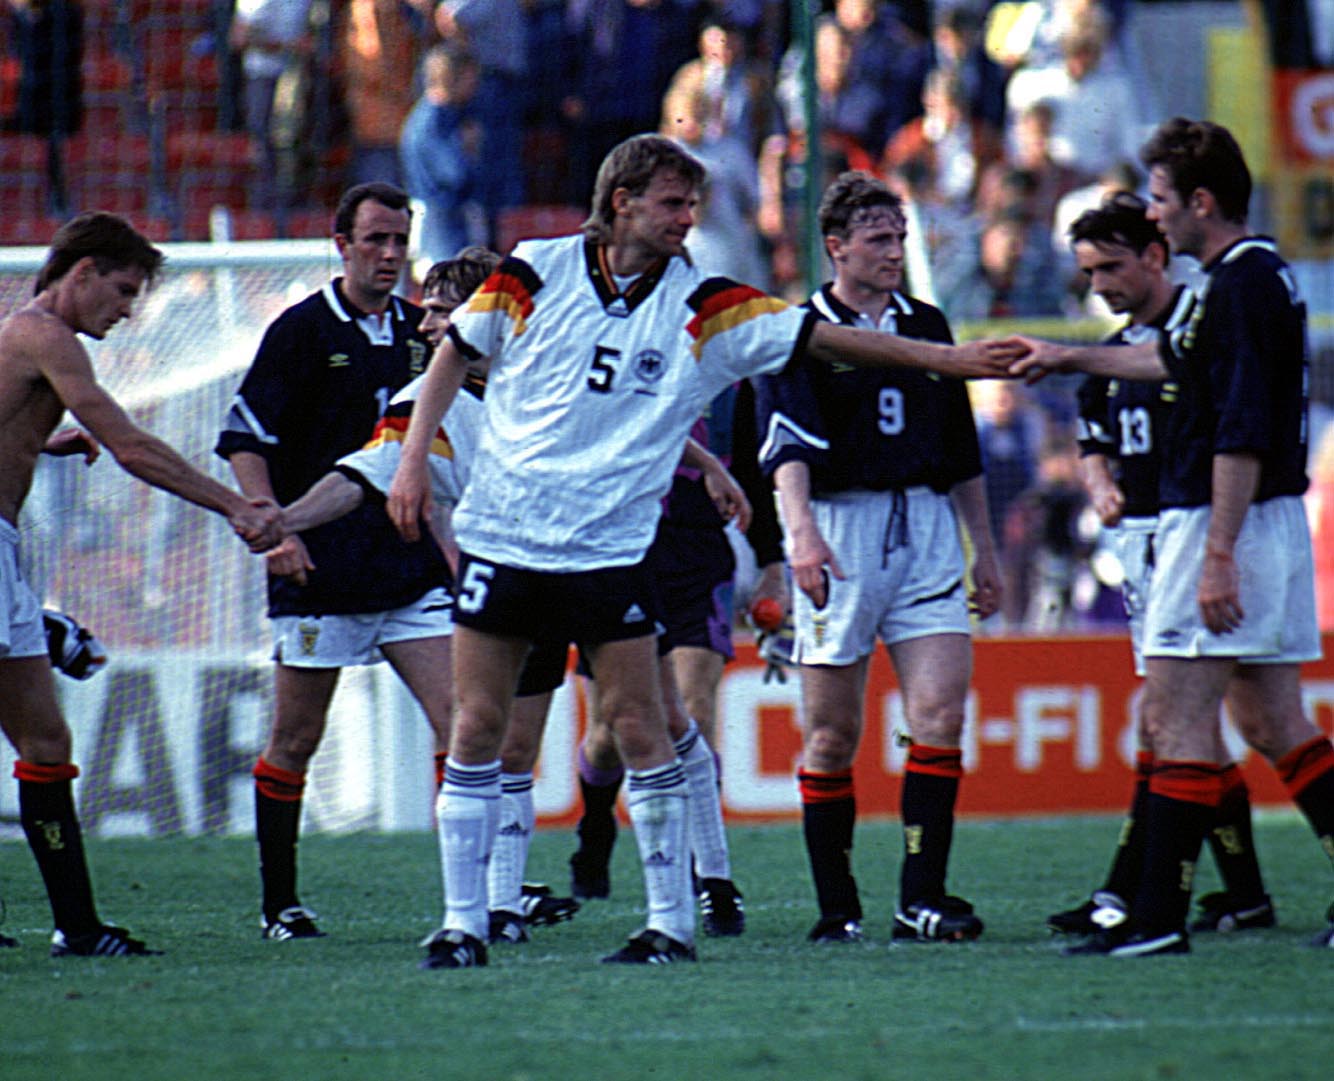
{"points": [[767, 614]]}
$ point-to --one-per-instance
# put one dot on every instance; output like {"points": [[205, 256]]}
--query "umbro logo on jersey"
{"points": [[633, 614], [339, 360]]}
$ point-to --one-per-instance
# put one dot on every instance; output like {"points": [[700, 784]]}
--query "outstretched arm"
{"points": [[65, 365], [1140, 361], [875, 349], [330, 497], [409, 498]]}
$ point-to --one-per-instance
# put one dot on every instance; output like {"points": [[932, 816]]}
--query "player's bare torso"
{"points": [[29, 407]]}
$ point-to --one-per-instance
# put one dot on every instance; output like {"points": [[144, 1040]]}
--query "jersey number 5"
{"points": [[603, 372], [472, 590]]}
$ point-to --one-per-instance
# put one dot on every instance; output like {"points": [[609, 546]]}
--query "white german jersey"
{"points": [[452, 448], [591, 394]]}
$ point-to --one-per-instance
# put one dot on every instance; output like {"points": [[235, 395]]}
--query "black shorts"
{"points": [[544, 670], [692, 571], [586, 607]]}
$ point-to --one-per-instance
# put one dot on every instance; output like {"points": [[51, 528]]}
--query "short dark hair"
{"points": [[632, 165], [849, 193], [390, 195], [1120, 219], [113, 243], [1201, 154], [462, 274]]}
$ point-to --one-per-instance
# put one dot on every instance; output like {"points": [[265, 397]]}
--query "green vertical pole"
{"points": [[804, 13]]}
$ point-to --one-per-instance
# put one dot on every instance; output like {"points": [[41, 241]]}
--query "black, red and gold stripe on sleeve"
{"points": [[393, 428], [510, 289], [721, 304]]}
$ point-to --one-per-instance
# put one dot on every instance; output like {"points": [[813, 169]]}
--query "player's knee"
{"points": [[937, 725], [829, 748], [50, 748]]}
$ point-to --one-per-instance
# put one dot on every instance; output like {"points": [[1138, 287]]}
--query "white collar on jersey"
{"points": [[378, 331]]}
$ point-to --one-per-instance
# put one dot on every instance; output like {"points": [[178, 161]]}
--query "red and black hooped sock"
{"points": [[930, 789], [1123, 878], [1308, 774], [1232, 841], [439, 760], [828, 814], [1183, 799], [46, 809], [278, 795]]}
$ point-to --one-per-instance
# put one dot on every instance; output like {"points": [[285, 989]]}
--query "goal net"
{"points": [[166, 736]]}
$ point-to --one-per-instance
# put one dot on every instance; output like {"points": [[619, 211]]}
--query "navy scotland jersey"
{"points": [[873, 430], [1124, 419], [1240, 360], [322, 376]]}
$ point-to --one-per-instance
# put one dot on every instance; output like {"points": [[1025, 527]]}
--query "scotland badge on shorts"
{"points": [[310, 634], [649, 367]]}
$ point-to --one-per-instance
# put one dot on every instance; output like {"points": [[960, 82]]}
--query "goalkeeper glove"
{"points": [[74, 650]]}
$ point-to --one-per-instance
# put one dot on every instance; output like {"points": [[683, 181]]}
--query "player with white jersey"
{"points": [[1120, 428], [604, 349], [871, 470], [1231, 600]]}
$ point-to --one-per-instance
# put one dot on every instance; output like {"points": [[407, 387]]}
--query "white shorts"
{"points": [[340, 641], [905, 575], [1277, 579], [1132, 540], [22, 633]]}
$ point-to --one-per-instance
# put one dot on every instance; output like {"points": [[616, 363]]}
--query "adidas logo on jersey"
{"points": [[633, 614], [659, 859], [513, 829]]}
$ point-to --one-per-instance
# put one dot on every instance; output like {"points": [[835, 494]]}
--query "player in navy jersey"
{"points": [[351, 591], [1231, 602], [874, 472], [604, 348], [1124, 256]]}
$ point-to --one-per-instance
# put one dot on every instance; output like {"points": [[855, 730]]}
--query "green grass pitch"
{"points": [[222, 1004]]}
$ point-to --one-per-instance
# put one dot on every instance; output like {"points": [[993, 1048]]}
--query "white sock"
{"points": [[467, 811], [708, 837], [509, 852], [657, 801]]}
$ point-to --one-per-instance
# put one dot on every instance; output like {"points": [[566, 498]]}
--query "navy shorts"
{"points": [[693, 569], [544, 670], [585, 607]]}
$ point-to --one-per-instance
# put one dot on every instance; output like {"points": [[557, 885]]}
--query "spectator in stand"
{"points": [[738, 94], [1046, 546], [273, 38], [1048, 179], [1095, 109], [851, 121], [1010, 432], [380, 43], [494, 31], [623, 55], [722, 240], [47, 37], [1016, 275], [951, 148], [959, 49], [887, 55], [440, 152]]}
